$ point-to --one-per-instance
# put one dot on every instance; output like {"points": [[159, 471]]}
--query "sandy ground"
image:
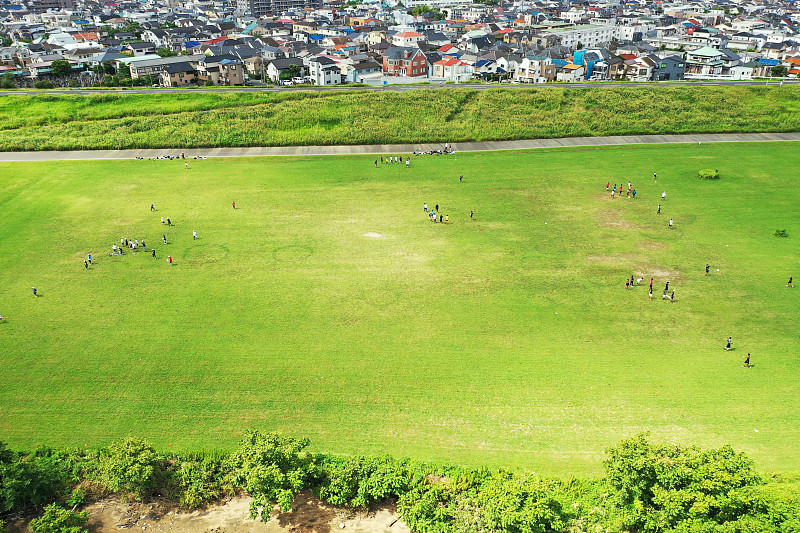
{"points": [[308, 515]]}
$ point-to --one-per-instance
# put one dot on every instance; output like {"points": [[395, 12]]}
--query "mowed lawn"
{"points": [[504, 340]]}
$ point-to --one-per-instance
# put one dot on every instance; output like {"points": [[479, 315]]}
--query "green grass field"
{"points": [[116, 121], [504, 340]]}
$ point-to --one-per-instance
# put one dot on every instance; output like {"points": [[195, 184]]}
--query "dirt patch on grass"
{"points": [[373, 235], [621, 259], [610, 218], [651, 246], [308, 515], [659, 273]]}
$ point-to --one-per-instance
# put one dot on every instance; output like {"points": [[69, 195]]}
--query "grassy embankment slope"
{"points": [[504, 340], [441, 115]]}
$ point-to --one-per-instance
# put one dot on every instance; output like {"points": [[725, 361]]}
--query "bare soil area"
{"points": [[308, 515]]}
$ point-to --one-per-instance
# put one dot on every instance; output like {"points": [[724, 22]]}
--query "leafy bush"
{"points": [[663, 486], [43, 84], [129, 465], [362, 481], [781, 233], [59, 520], [200, 481], [709, 174], [270, 468], [33, 480], [521, 503]]}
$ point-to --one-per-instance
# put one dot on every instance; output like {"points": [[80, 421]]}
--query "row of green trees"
{"points": [[646, 487]]}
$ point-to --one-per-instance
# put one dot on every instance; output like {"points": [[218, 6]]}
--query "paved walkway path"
{"points": [[379, 149]]}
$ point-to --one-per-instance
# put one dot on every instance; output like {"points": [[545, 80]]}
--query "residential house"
{"points": [[705, 61], [407, 38], [221, 70], [405, 61], [484, 68], [570, 73], [178, 74], [536, 69], [153, 65], [452, 69], [140, 49], [277, 66], [362, 72], [324, 71], [668, 68]]}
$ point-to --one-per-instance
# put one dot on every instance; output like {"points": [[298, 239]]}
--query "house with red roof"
{"points": [[407, 38], [452, 69]]}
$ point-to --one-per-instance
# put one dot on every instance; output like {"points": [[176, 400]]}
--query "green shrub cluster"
{"points": [[709, 174], [646, 487]]}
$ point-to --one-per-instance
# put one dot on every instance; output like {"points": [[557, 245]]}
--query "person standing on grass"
{"points": [[634, 194], [169, 222], [408, 162], [655, 176], [708, 267], [672, 297], [612, 194], [666, 287], [165, 239], [162, 220], [627, 284], [35, 293], [169, 258], [664, 295], [194, 235], [728, 345], [670, 224], [446, 219], [461, 178], [747, 361], [89, 257], [144, 246], [790, 282], [376, 163], [234, 205], [85, 264], [441, 219], [186, 165], [437, 207], [659, 210], [471, 214], [608, 184], [425, 206], [650, 294], [664, 195], [154, 253], [152, 207]]}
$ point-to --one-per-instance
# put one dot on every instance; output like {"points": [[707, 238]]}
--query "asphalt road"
{"points": [[395, 149], [400, 88]]}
